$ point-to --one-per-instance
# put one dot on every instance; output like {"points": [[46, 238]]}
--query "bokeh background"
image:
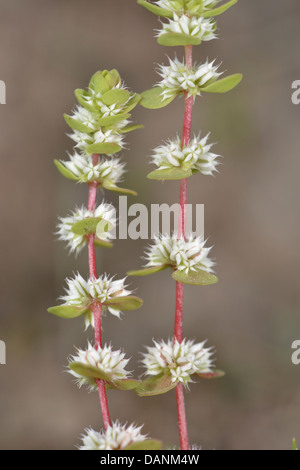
{"points": [[49, 48]]}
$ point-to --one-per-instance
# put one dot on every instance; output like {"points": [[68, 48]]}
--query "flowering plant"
{"points": [[98, 126], [177, 362]]}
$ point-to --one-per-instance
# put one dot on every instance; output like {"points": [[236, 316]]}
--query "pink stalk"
{"points": [[96, 306], [178, 329], [183, 432]]}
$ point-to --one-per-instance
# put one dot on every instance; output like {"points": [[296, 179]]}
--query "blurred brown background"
{"points": [[49, 48]]}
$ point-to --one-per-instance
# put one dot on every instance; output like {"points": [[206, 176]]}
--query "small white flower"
{"points": [[77, 242], [82, 140], [108, 136], [178, 78], [195, 156], [109, 362], [180, 360], [198, 27], [106, 170], [105, 288], [81, 293], [101, 136], [116, 437], [77, 292], [186, 255], [107, 110], [84, 116]]}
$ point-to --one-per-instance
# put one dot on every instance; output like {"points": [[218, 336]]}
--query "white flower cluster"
{"points": [[185, 255], [106, 170], [180, 360], [195, 156], [199, 28], [81, 293], [85, 117], [109, 362], [187, 6], [108, 136], [116, 437], [178, 78], [77, 242]]}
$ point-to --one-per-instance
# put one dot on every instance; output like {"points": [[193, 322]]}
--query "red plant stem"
{"points": [[97, 310], [178, 329], [96, 306], [92, 195], [103, 403], [178, 333], [184, 438]]}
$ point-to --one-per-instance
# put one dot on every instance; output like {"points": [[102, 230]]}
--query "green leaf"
{"points": [[103, 243], [116, 96], [131, 128], [124, 384], [130, 302], [155, 386], [88, 371], [80, 94], [178, 39], [98, 83], [77, 126], [134, 100], [103, 148], [153, 99], [111, 120], [201, 278], [64, 171], [112, 77], [111, 187], [86, 226], [64, 311], [212, 375], [294, 445], [146, 271], [147, 444], [223, 85], [155, 9], [169, 174], [219, 10]]}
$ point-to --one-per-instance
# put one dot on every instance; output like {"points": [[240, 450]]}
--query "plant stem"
{"points": [[178, 329], [184, 438], [96, 306], [178, 333]]}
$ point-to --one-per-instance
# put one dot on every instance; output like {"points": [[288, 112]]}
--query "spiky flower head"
{"points": [[186, 255], [180, 360], [103, 112], [202, 29], [111, 364], [76, 242], [117, 437], [178, 78], [190, 7], [105, 171], [85, 117], [107, 136], [195, 156], [82, 293]]}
